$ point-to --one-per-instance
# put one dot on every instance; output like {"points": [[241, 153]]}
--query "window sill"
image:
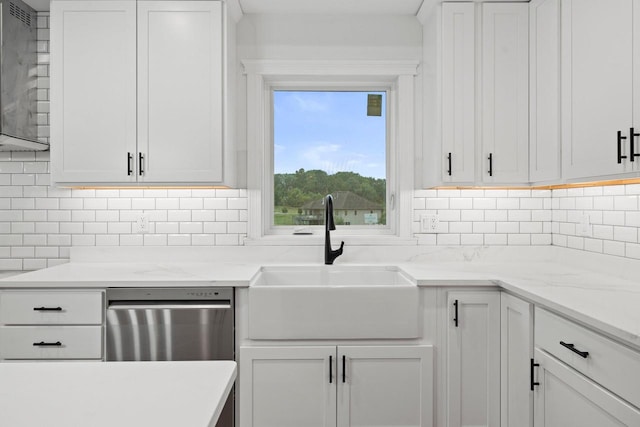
{"points": [[318, 240]]}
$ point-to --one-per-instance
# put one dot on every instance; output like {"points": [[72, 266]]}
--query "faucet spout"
{"points": [[329, 224]]}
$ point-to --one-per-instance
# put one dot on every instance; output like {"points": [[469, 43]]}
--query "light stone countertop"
{"points": [[598, 290], [127, 394]]}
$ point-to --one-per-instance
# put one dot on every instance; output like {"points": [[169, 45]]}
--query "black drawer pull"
{"points": [[47, 344], [47, 308], [455, 315], [533, 365], [490, 158], [344, 368], [330, 369], [140, 164], [129, 159], [620, 139], [632, 141], [449, 160], [571, 347]]}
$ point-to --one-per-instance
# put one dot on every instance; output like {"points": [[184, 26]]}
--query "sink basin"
{"points": [[333, 302]]}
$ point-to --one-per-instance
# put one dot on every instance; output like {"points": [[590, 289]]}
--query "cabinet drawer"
{"points": [[608, 363], [65, 342], [50, 308]]}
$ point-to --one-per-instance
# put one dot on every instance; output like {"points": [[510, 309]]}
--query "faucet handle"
{"points": [[339, 251]]}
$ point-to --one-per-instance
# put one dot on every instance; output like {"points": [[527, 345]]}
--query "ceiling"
{"points": [[387, 7], [38, 5]]}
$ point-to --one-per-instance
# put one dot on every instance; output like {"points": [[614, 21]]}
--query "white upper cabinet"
{"points": [[544, 90], [137, 92], [505, 92], [180, 91], [458, 92], [93, 90], [484, 65], [598, 73]]}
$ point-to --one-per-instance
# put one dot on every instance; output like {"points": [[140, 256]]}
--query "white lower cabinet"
{"points": [[472, 376], [473, 358], [52, 324], [336, 386], [516, 351], [565, 398]]}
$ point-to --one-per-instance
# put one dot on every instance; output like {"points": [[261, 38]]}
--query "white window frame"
{"points": [[394, 77]]}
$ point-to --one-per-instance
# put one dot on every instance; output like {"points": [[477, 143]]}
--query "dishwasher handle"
{"points": [[175, 306]]}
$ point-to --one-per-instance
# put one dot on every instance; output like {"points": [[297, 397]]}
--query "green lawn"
{"points": [[280, 218]]}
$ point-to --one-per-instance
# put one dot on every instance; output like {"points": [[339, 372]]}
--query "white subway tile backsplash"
{"points": [[83, 240], [437, 203], [179, 239], [168, 203], [472, 239], [625, 234], [107, 240], [613, 190], [118, 204], [613, 218], [625, 203], [71, 227], [611, 247], [472, 215]]}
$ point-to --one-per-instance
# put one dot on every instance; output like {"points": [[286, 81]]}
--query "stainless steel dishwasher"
{"points": [[160, 324]]}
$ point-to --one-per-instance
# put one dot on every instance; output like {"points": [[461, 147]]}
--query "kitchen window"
{"points": [[320, 127], [329, 142]]}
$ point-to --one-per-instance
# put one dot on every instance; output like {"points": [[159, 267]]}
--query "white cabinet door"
{"points": [[597, 90], [544, 90], [287, 386], [473, 359], [180, 91], [93, 91], [516, 351], [565, 398], [458, 92], [385, 386], [505, 92]]}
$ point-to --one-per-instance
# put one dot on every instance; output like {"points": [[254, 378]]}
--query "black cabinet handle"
{"points": [[344, 368], [140, 163], [330, 369], [533, 365], [632, 145], [620, 139], [47, 344], [490, 158], [129, 168], [571, 347], [449, 159], [47, 308], [455, 313]]}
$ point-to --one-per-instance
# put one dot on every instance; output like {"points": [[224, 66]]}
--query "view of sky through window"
{"points": [[329, 142]]}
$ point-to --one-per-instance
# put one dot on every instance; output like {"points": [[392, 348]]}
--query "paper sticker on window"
{"points": [[374, 105]]}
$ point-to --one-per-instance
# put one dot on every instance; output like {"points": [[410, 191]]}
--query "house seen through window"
{"points": [[329, 142]]}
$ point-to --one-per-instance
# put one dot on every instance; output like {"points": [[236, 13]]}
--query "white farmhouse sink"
{"points": [[332, 302]]}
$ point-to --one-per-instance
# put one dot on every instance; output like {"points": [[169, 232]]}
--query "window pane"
{"points": [[329, 142]]}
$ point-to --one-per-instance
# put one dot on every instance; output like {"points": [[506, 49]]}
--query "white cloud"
{"points": [[311, 105]]}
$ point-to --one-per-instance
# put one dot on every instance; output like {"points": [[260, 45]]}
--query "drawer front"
{"points": [[51, 308], [64, 342], [608, 363]]}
